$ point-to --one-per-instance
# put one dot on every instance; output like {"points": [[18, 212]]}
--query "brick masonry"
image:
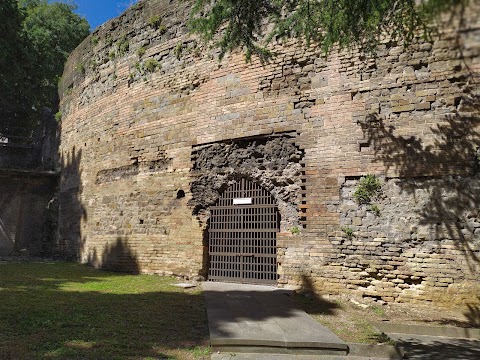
{"points": [[139, 100], [28, 213]]}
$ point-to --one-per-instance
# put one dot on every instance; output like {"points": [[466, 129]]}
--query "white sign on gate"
{"points": [[242, 201]]}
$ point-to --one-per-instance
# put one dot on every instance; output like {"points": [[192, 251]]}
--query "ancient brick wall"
{"points": [[145, 107], [27, 214], [28, 182], [30, 148], [417, 240]]}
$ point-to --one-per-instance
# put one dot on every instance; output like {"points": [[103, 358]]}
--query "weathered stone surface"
{"points": [[146, 152], [431, 222], [272, 162]]}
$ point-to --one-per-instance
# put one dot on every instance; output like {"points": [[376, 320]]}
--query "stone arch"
{"points": [[274, 162]]}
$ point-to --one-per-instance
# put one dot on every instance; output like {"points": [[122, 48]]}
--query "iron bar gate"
{"points": [[242, 235]]}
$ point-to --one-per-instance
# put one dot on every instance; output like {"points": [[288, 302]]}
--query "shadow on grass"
{"points": [[472, 317], [447, 349], [473, 314], [69, 311]]}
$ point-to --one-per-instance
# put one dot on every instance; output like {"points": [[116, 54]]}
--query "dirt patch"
{"points": [[352, 321]]}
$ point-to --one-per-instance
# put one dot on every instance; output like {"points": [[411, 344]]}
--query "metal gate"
{"points": [[242, 235]]}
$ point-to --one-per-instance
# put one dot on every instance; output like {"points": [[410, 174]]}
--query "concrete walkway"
{"points": [[253, 319], [249, 322], [424, 342]]}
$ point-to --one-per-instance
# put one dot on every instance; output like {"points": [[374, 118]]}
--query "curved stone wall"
{"points": [[154, 128]]}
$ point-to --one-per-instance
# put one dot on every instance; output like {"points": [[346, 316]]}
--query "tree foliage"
{"points": [[326, 23], [36, 37], [13, 74], [53, 30]]}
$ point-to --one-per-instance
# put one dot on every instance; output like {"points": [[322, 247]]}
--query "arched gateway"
{"points": [[242, 235]]}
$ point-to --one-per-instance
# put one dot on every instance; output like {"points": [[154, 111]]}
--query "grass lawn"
{"points": [[71, 311], [353, 323], [349, 323]]}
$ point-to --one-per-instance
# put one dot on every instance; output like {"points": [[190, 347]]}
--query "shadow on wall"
{"points": [[473, 314], [456, 150], [12, 212], [471, 320], [72, 213], [116, 257], [203, 272], [28, 187], [47, 141], [31, 148]]}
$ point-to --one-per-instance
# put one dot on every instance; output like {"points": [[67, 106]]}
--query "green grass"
{"points": [[71, 311], [348, 322], [378, 311]]}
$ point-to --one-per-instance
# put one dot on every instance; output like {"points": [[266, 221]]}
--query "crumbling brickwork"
{"points": [[273, 162], [154, 127], [420, 234]]}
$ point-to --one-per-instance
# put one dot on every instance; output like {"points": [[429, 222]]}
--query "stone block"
{"points": [[422, 106], [319, 81]]}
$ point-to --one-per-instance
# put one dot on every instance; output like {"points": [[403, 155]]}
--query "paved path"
{"points": [[249, 322], [424, 342], [422, 347], [243, 356], [252, 318]]}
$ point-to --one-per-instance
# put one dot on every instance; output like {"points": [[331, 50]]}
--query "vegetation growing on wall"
{"points": [[141, 51], [178, 50], [123, 46], [155, 21], [141, 69], [151, 65], [368, 187], [295, 230], [348, 232], [325, 23]]}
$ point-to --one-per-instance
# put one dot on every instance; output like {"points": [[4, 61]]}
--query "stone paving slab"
{"points": [[356, 351], [423, 347], [263, 316], [428, 330], [428, 342], [254, 356]]}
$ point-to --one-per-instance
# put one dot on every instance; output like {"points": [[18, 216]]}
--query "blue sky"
{"points": [[99, 11]]}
